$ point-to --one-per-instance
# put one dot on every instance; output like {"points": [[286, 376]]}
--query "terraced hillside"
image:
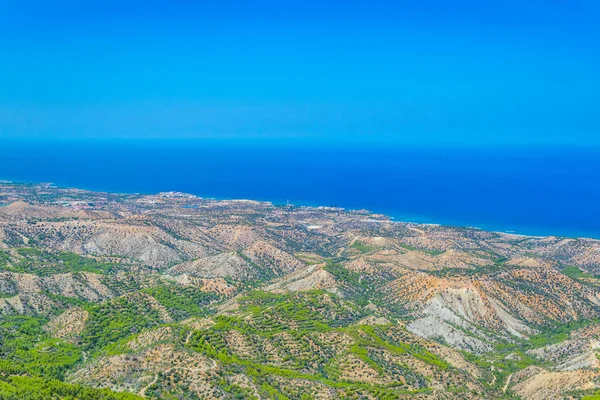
{"points": [[115, 296]]}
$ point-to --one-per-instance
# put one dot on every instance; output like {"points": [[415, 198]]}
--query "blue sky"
{"points": [[417, 72]]}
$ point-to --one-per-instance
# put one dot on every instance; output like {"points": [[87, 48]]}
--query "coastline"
{"points": [[392, 217]]}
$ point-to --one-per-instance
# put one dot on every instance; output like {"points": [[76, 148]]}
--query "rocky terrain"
{"points": [[107, 295]]}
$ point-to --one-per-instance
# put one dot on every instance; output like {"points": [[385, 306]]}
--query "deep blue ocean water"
{"points": [[536, 191]]}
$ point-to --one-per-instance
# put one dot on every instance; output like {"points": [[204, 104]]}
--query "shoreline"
{"points": [[392, 217]]}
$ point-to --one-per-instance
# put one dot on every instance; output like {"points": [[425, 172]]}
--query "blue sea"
{"points": [[525, 190]]}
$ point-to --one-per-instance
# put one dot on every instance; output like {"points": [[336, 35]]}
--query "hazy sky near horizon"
{"points": [[430, 71]]}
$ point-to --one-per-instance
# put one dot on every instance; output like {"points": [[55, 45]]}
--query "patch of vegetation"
{"points": [[118, 318], [309, 259], [42, 263], [499, 264], [26, 347], [4, 258], [302, 312], [362, 247], [33, 365], [575, 273], [363, 289], [34, 388], [428, 251], [182, 302], [373, 339], [557, 333]]}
